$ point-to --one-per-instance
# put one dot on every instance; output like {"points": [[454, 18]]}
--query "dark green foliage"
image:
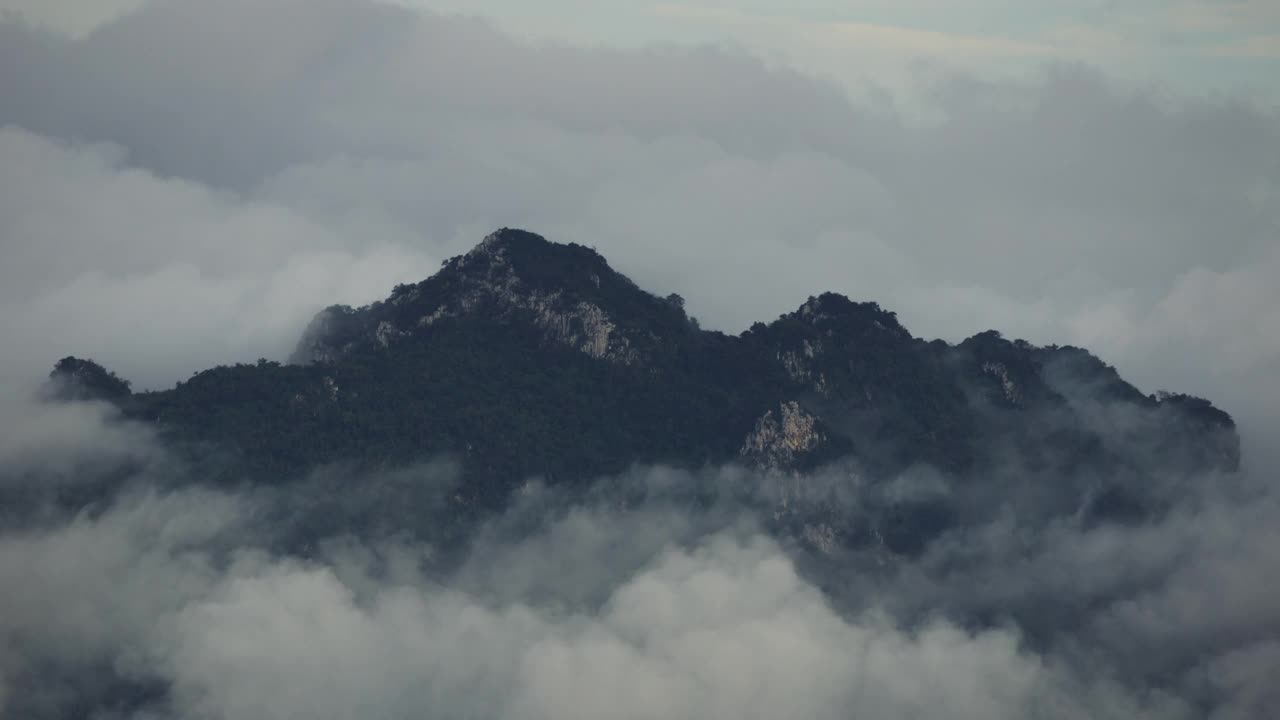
{"points": [[484, 363], [76, 379], [869, 377]]}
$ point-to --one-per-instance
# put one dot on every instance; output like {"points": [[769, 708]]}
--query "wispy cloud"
{"points": [[857, 35], [1253, 46], [1189, 45]]}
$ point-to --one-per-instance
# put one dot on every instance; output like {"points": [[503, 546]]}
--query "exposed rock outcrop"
{"points": [[785, 439], [501, 279]]}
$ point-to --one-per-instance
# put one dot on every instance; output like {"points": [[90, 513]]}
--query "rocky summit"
{"points": [[526, 358]]}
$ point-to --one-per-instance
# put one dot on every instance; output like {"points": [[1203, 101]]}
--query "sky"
{"points": [[185, 183], [1191, 46], [1196, 46]]}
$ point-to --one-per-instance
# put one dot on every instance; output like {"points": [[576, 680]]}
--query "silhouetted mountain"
{"points": [[526, 358], [76, 379]]}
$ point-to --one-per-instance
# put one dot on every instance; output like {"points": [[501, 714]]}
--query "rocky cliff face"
{"points": [[783, 438]]}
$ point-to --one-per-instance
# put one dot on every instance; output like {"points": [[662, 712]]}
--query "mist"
{"points": [[187, 184], [659, 593]]}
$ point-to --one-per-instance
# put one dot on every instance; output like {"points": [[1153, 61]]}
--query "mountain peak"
{"points": [[512, 238], [504, 244], [567, 292], [534, 259], [76, 379], [832, 314], [830, 306], [529, 357]]}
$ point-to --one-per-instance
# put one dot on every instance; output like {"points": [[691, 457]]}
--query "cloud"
{"points": [[83, 596], [186, 185], [1253, 46], [654, 594], [725, 627], [73, 18], [725, 631], [865, 35], [68, 442], [165, 276]]}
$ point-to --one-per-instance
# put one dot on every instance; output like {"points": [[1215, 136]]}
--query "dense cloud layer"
{"points": [[188, 185], [172, 603]]}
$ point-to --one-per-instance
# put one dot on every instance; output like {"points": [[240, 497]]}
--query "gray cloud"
{"points": [[83, 596], [64, 443], [165, 276], [725, 627], [656, 594]]}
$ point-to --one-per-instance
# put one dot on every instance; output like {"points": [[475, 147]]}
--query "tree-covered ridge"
{"points": [[569, 290], [76, 379], [531, 358]]}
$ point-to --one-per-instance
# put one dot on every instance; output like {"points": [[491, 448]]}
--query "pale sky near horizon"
{"points": [[1195, 47]]}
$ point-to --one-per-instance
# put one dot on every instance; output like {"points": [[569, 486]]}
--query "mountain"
{"points": [[527, 358]]}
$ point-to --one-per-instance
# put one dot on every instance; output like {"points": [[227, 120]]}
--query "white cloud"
{"points": [[72, 17], [726, 629], [162, 277]]}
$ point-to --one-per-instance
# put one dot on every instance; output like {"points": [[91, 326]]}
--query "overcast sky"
{"points": [[185, 183], [1195, 45]]}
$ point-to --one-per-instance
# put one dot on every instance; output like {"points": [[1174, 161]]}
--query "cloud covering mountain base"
{"points": [[656, 594]]}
